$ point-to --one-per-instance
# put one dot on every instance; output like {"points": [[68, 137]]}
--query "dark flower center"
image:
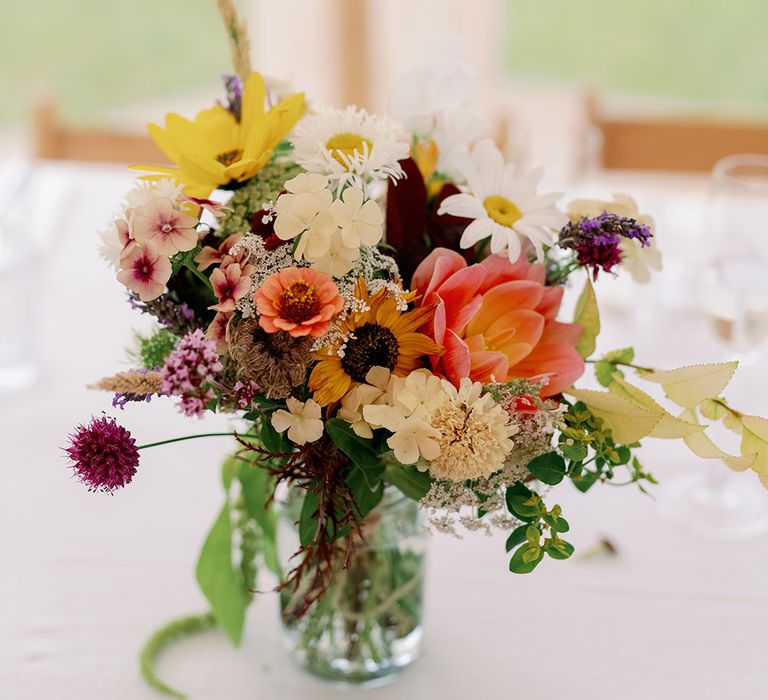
{"points": [[229, 157], [372, 346], [299, 302]]}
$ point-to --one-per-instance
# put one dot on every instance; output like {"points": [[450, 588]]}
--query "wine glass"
{"points": [[714, 501]]}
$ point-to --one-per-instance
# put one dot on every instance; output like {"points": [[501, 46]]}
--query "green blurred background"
{"points": [[96, 54]]}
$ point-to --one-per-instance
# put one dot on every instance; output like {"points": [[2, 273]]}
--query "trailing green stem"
{"points": [[190, 437], [161, 639]]}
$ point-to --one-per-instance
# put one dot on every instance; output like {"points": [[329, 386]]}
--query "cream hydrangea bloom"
{"points": [[302, 420], [637, 259]]}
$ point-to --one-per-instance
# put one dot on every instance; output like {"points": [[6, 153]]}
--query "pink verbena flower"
{"points": [[189, 371], [104, 455]]}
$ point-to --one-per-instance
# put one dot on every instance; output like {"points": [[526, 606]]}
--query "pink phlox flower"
{"points": [[161, 222]]}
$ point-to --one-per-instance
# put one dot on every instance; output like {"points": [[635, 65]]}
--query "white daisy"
{"points": [[454, 133], [361, 222], [350, 146], [504, 205]]}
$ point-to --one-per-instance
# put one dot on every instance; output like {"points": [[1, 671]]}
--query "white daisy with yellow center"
{"points": [[505, 206], [349, 146]]}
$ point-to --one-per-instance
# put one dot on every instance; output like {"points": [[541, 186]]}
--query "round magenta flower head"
{"points": [[104, 454]]}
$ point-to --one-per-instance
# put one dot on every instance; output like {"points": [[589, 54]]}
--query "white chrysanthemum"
{"points": [[637, 259], [504, 205], [361, 222], [350, 146], [302, 420]]}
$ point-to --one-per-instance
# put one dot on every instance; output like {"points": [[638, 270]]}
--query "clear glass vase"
{"points": [[367, 626]]}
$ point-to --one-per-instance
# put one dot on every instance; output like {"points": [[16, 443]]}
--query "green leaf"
{"points": [[532, 534], [218, 579], [625, 356], [575, 452], [366, 498], [604, 372], [587, 316], [548, 468], [272, 440], [525, 559], [522, 508], [411, 482], [557, 523], [257, 487], [358, 449], [560, 549], [518, 489], [586, 481], [516, 537], [308, 519]]}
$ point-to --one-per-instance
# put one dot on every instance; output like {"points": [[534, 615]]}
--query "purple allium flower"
{"points": [[104, 455], [189, 370], [596, 240]]}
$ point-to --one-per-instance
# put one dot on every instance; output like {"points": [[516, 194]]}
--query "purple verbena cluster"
{"points": [[179, 318], [104, 454], [596, 240], [189, 371]]}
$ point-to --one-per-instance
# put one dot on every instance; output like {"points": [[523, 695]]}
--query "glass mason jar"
{"points": [[367, 626]]}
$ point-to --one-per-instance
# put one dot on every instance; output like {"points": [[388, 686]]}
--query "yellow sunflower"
{"points": [[382, 336], [215, 149]]}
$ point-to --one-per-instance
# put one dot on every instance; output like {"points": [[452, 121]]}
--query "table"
{"points": [[86, 577]]}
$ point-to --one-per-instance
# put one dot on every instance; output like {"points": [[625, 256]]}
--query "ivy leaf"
{"points": [[218, 579], [548, 468], [587, 316], [525, 559], [256, 487], [576, 452], [689, 386]]}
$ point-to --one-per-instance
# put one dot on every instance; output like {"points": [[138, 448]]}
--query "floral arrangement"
{"points": [[378, 302]]}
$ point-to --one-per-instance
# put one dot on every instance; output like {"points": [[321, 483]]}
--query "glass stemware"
{"points": [[715, 501]]}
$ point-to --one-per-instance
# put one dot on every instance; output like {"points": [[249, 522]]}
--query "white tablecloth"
{"points": [[84, 578]]}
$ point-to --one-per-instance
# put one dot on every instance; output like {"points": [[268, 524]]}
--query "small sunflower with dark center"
{"points": [[381, 336]]}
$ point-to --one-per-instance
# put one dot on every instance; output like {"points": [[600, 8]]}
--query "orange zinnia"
{"points": [[381, 336], [300, 301]]}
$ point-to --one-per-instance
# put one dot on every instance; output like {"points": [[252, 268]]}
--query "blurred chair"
{"points": [[682, 144], [57, 141]]}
